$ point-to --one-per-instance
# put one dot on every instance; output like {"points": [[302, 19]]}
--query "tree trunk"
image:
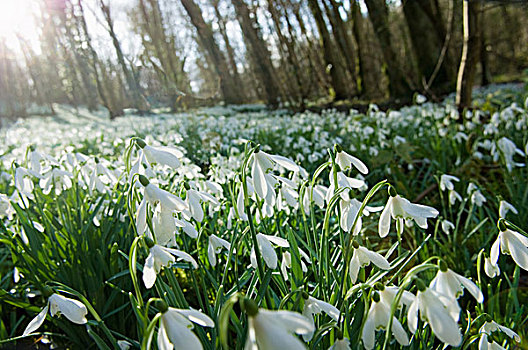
{"points": [[338, 77], [210, 46], [470, 53], [138, 100], [428, 34], [259, 52], [379, 17]]}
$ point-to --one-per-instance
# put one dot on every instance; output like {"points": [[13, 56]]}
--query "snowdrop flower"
{"points": [[440, 311], [454, 196], [215, 246], [446, 182], [266, 249], [313, 307], [286, 262], [490, 327], [341, 344], [24, 185], [319, 194], [492, 270], [379, 313], [402, 209], [161, 155], [447, 226], [175, 330], [73, 310], [504, 207], [363, 257], [269, 330], [478, 198], [450, 283], [420, 99], [193, 200], [262, 162], [508, 149], [58, 179], [6, 208], [513, 243], [161, 257], [349, 212], [345, 161]]}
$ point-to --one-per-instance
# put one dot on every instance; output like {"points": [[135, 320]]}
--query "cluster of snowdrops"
{"points": [[258, 253]]}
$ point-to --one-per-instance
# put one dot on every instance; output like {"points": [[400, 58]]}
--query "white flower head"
{"points": [[450, 283], [215, 246], [345, 161], [72, 309], [492, 270], [363, 257], [446, 182], [490, 327], [440, 311], [161, 257], [266, 250], [269, 330], [175, 331], [505, 207], [160, 155], [313, 307], [402, 209], [512, 243]]}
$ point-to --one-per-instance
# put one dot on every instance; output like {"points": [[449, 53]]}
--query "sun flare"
{"points": [[17, 18]]}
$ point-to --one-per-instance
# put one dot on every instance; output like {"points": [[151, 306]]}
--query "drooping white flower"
{"points": [[56, 179], [161, 257], [454, 196], [508, 149], [266, 249], [447, 226], [161, 155], [175, 330], [72, 309], [452, 284], [341, 344], [286, 262], [193, 200], [441, 313], [363, 257], [505, 207], [490, 327], [492, 270], [345, 161], [343, 181], [270, 330], [350, 210], [378, 317], [446, 182], [313, 307], [262, 162], [402, 209], [513, 243], [215, 246]]}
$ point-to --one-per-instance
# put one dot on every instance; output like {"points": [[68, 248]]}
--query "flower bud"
{"points": [[305, 295], [250, 307], [501, 224], [161, 305], [420, 285], [392, 191], [140, 143], [355, 244], [47, 291], [144, 181], [379, 286], [442, 265], [338, 148], [376, 297], [149, 242]]}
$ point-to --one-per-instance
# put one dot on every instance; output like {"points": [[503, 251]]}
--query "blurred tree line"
{"points": [[290, 52]]}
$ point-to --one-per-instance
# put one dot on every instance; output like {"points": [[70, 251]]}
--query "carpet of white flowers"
{"points": [[240, 227]]}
